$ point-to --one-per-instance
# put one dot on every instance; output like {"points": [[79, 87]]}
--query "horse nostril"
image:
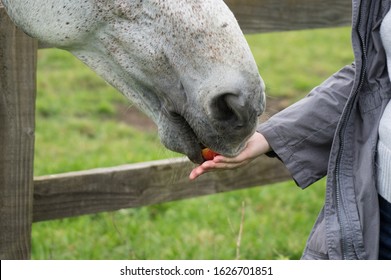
{"points": [[229, 108]]}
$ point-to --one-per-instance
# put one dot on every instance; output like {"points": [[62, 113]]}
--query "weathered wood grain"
{"points": [[17, 102], [136, 185], [257, 16]]}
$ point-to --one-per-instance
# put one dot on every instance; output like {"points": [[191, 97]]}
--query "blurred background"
{"points": [[83, 123]]}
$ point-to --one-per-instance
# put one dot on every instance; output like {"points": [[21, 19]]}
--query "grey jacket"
{"points": [[334, 131]]}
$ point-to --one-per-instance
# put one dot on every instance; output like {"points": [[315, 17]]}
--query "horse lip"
{"points": [[194, 145], [198, 159]]}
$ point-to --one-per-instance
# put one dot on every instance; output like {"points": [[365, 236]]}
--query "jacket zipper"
{"points": [[339, 204]]}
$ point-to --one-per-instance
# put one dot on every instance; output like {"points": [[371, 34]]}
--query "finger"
{"points": [[201, 169], [221, 165], [214, 166], [195, 173], [230, 165], [242, 157]]}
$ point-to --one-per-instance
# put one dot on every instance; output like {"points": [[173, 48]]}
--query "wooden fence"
{"points": [[24, 199]]}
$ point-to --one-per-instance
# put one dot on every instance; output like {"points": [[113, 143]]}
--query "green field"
{"points": [[80, 124]]}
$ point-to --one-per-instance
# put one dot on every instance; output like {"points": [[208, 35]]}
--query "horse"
{"points": [[185, 64]]}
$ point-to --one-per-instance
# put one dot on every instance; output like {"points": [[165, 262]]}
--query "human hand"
{"points": [[257, 145]]}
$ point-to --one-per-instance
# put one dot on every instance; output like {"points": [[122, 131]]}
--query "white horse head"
{"points": [[185, 63]]}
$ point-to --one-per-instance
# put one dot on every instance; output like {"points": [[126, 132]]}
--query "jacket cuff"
{"points": [[300, 174]]}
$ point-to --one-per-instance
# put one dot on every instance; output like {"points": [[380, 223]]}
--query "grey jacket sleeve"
{"points": [[302, 134]]}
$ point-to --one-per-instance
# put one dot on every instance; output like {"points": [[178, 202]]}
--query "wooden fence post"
{"points": [[17, 105]]}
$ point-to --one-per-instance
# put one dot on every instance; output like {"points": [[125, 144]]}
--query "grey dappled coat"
{"points": [[334, 131]]}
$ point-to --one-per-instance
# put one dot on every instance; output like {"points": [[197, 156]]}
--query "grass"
{"points": [[79, 127], [292, 63]]}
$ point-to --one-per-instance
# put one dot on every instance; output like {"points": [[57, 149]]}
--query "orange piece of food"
{"points": [[208, 154]]}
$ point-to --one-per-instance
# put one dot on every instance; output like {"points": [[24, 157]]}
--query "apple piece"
{"points": [[208, 154]]}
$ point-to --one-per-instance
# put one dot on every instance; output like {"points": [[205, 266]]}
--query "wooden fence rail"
{"points": [[141, 184], [256, 16], [24, 199]]}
